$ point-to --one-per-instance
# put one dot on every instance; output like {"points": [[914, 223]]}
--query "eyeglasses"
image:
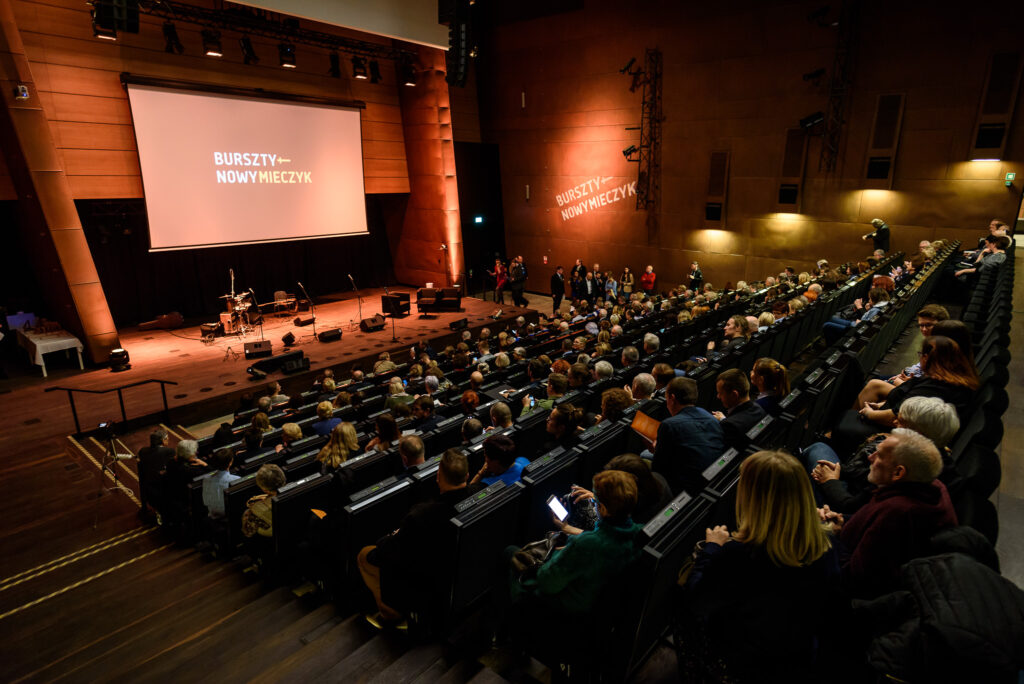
{"points": [[922, 353]]}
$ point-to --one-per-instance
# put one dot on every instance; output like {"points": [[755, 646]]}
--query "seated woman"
{"points": [[947, 373], [387, 433], [755, 599], [341, 445], [258, 518], [326, 421], [571, 581], [772, 382], [614, 402], [562, 425], [836, 327], [397, 394]]}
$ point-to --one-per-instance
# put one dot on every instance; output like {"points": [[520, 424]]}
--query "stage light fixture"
{"points": [[334, 71], [171, 41], [99, 30], [629, 151], [211, 43], [629, 65], [119, 360], [407, 72], [286, 55], [248, 53], [359, 68], [374, 71], [812, 120]]}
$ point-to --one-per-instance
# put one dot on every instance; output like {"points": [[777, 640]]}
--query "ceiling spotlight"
{"points": [[629, 65], [334, 71], [407, 72], [629, 151], [171, 41], [374, 71], [359, 68], [248, 53], [474, 52], [211, 43], [102, 29], [812, 120], [286, 55]]}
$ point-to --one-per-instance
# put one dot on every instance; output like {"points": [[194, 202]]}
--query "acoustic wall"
{"points": [[737, 80]]}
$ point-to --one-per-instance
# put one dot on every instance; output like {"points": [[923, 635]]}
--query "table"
{"points": [[38, 344]]}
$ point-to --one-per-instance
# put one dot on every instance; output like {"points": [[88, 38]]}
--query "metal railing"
{"points": [[120, 396]]}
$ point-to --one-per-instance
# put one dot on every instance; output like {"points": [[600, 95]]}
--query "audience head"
{"points": [[343, 443], [563, 420], [603, 370], [471, 427], [931, 417], [616, 494], [904, 456], [387, 428], [770, 377], [252, 437], [469, 400], [579, 375], [290, 432], [410, 448], [736, 327], [929, 315], [186, 449], [766, 319], [663, 374], [959, 332], [221, 459], [499, 453], [501, 414], [324, 410], [453, 471], [422, 407], [270, 478], [751, 324], [222, 437], [680, 393], [643, 386], [651, 343], [942, 359], [613, 403], [558, 384], [431, 384], [775, 510], [263, 404], [630, 355], [878, 295], [158, 438], [732, 387]]}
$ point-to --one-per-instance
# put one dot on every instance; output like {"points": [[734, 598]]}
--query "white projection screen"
{"points": [[226, 170]]}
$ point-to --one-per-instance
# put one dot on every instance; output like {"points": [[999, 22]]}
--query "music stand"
{"points": [[312, 309]]}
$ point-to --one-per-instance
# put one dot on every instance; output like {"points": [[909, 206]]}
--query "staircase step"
{"points": [[368, 660], [319, 655], [487, 676], [412, 664], [461, 672]]}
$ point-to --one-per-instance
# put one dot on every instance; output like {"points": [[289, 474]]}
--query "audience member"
{"points": [[327, 421], [772, 382], [342, 444], [501, 416], [152, 462], [562, 425], [500, 462], [741, 413], [687, 442], [423, 417], [411, 450], [387, 433], [258, 519], [215, 483], [290, 432]]}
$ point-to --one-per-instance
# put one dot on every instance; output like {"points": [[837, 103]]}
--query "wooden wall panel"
{"points": [[78, 78], [733, 81]]}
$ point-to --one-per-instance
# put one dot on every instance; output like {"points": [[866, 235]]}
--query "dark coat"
{"points": [[688, 442], [739, 420], [557, 284]]}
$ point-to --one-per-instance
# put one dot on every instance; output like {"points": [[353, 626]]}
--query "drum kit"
{"points": [[242, 314]]}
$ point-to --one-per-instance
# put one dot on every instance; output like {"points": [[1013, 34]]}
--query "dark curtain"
{"points": [[141, 285]]}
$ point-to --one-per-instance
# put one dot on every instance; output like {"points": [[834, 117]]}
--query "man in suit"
{"points": [[517, 281], [590, 288], [152, 460], [741, 413], [880, 237], [557, 289], [689, 441]]}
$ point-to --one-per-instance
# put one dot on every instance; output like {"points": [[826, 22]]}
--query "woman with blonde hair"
{"points": [[342, 444], [758, 597]]}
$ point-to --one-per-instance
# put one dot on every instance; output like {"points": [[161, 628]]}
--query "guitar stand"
{"points": [[230, 355]]}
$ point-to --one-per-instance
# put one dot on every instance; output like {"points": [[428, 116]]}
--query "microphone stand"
{"points": [[312, 308], [359, 297], [259, 314]]}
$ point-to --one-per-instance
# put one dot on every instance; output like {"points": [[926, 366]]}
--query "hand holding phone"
{"points": [[557, 508]]}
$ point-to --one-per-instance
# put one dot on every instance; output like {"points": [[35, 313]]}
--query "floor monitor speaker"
{"points": [[330, 335], [256, 350], [372, 323]]}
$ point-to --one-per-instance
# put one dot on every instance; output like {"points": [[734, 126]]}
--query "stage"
{"points": [[211, 376]]}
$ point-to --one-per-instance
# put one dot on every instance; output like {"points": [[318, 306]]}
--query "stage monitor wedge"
{"points": [[252, 170]]}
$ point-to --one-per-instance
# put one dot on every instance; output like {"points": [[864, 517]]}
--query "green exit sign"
{"points": [[1009, 178]]}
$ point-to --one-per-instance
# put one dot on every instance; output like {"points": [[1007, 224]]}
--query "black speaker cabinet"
{"points": [[256, 350], [329, 335], [300, 321], [372, 324], [295, 366]]}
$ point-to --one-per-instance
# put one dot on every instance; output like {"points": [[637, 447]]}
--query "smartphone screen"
{"points": [[405, 382], [533, 401], [557, 508]]}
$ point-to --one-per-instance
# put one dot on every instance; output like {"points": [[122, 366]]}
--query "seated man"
{"points": [[403, 558], [689, 441], [423, 417], [276, 395], [501, 416], [643, 386], [741, 413], [500, 462], [471, 428], [558, 385], [411, 451], [909, 506]]}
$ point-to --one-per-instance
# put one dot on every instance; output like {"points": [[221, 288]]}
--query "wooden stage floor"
{"points": [[211, 378]]}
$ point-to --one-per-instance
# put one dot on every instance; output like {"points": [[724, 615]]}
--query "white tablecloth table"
{"points": [[38, 344]]}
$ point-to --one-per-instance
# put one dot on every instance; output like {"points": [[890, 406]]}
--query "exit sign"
{"points": [[1010, 178]]}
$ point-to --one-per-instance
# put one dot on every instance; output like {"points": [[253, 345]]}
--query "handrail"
{"points": [[120, 396]]}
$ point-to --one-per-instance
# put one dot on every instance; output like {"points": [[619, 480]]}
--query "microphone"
{"points": [[300, 285], [231, 272]]}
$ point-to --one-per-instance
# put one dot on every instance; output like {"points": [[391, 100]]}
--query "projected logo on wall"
{"points": [[594, 194], [249, 162]]}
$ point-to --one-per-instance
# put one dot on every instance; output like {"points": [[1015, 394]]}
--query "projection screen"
{"points": [[227, 170]]}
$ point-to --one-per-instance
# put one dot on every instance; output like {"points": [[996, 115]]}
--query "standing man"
{"points": [[517, 278], [557, 290], [880, 237], [647, 281], [697, 277]]}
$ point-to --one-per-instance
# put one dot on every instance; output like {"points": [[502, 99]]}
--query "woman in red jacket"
{"points": [[647, 281], [500, 275]]}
